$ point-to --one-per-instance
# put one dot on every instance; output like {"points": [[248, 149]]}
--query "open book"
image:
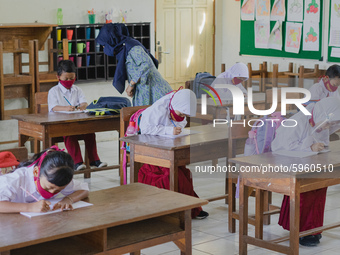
{"points": [[53, 201], [70, 112]]}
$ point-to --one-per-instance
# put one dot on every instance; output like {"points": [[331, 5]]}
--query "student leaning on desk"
{"points": [[67, 97], [47, 174], [311, 134]]}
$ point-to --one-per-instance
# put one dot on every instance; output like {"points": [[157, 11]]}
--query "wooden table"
{"points": [[290, 184], [123, 219], [210, 143], [46, 127]]}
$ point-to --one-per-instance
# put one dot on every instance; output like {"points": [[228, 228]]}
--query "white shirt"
{"points": [[23, 177], [156, 119], [318, 91], [75, 96]]}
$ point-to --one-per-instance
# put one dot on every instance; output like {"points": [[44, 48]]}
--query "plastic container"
{"points": [[250, 147], [131, 130], [60, 17]]}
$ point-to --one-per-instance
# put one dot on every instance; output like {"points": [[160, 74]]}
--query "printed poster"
{"points": [[311, 36], [293, 37], [312, 10], [262, 32], [278, 10], [295, 10], [335, 12], [275, 38], [248, 10], [334, 36], [263, 9]]}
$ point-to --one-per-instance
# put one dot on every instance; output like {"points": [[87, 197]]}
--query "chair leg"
{"points": [[87, 163], [231, 205], [266, 204]]}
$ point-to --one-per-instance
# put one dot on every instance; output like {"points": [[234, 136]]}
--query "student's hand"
{"points": [[317, 147], [40, 206], [64, 204], [130, 91], [70, 108], [177, 130]]}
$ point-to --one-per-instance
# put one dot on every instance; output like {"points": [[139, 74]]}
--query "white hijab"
{"points": [[185, 102], [237, 70]]}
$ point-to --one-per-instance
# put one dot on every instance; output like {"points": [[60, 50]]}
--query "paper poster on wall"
{"points": [[278, 10], [334, 36], [312, 10], [262, 32], [310, 36], [335, 53], [293, 37], [248, 10], [295, 10], [335, 12], [262, 9], [275, 38]]}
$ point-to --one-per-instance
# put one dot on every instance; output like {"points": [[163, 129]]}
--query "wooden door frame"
{"points": [[214, 28]]}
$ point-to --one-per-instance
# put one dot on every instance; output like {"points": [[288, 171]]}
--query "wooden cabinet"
{"points": [[88, 56]]}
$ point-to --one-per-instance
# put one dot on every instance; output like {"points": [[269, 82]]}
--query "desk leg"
{"points": [[294, 217], [243, 221], [187, 226], [22, 140], [47, 142], [259, 196], [173, 173], [134, 166]]}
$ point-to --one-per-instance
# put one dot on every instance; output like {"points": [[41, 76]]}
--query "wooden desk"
{"points": [[210, 143], [46, 127], [123, 219], [290, 184]]}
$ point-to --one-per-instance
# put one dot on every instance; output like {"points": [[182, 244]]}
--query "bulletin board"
{"points": [[247, 40], [330, 58]]}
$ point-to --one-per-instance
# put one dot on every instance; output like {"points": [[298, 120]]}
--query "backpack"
{"points": [[108, 105], [262, 134], [136, 117], [202, 79]]}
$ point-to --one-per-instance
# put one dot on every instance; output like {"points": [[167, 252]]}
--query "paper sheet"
{"points": [[312, 10], [70, 112], [184, 132], [311, 36], [275, 38], [262, 33], [295, 10], [293, 37], [335, 12], [248, 10], [335, 53], [278, 10], [53, 201], [299, 154], [334, 36], [263, 9]]}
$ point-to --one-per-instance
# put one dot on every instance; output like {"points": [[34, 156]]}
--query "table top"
{"points": [[56, 118], [322, 159], [207, 133], [112, 207]]}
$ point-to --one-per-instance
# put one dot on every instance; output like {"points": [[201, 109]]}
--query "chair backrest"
{"points": [[237, 136], [125, 115], [41, 102], [269, 99], [20, 153], [256, 75]]}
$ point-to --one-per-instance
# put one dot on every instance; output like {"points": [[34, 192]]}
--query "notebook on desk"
{"points": [[184, 132], [299, 154], [70, 112]]}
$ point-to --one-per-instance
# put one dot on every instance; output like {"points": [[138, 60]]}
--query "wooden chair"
{"points": [[17, 84], [20, 153], [256, 76], [125, 115], [305, 73], [277, 79], [236, 141]]}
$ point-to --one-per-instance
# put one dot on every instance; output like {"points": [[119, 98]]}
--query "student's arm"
{"points": [[63, 108], [66, 202], [83, 106], [11, 207], [140, 67]]}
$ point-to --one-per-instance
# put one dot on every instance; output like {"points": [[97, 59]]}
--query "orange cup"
{"points": [[69, 34]]}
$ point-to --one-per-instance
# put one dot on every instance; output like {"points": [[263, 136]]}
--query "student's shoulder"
{"points": [[54, 88]]}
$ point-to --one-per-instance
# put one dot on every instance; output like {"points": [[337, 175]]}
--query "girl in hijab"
{"points": [[311, 134], [235, 75], [135, 64], [168, 116]]}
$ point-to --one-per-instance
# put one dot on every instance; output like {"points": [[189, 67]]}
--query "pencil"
{"points": [[173, 122], [67, 101], [36, 199]]}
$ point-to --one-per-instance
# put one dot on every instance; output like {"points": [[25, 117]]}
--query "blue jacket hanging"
{"points": [[117, 42]]}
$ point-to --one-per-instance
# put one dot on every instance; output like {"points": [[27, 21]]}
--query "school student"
{"points": [[311, 134], [167, 116], [47, 174], [68, 97], [235, 75]]}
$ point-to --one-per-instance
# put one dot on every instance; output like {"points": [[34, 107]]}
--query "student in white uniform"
{"points": [[235, 75], [68, 97], [311, 134], [167, 116], [47, 174]]}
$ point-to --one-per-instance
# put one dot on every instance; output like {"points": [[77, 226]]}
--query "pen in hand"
{"points": [[69, 103]]}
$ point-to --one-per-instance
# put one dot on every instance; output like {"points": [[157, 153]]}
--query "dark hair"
{"points": [[57, 167], [66, 66], [333, 71]]}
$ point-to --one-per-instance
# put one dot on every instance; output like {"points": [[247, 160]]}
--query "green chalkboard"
{"points": [[247, 40], [331, 59]]}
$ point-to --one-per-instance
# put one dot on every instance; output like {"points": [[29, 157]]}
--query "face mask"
{"points": [[68, 83], [44, 193], [328, 84], [236, 81]]}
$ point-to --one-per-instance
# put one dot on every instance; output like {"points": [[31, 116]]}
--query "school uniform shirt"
{"points": [[318, 91], [10, 186], [75, 96]]}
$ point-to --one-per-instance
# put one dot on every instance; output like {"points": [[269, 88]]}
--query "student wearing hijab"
{"points": [[167, 116], [235, 75], [135, 64], [311, 134]]}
